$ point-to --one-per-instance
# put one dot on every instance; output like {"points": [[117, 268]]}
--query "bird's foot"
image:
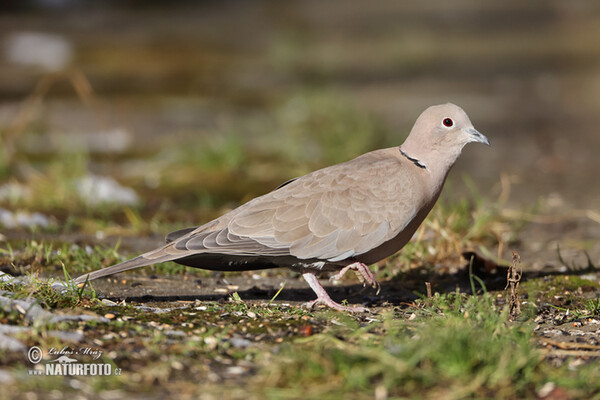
{"points": [[323, 297], [340, 275], [336, 306], [363, 273]]}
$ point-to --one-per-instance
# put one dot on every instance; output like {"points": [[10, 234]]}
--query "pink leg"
{"points": [[323, 297], [362, 271]]}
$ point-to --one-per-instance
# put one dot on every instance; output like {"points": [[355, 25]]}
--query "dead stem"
{"points": [[513, 278]]}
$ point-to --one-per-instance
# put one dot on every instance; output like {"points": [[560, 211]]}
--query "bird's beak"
{"points": [[476, 136]]}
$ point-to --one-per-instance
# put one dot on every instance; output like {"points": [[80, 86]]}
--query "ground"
{"points": [[170, 330]]}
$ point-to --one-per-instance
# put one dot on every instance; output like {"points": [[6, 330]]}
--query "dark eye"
{"points": [[448, 122]]}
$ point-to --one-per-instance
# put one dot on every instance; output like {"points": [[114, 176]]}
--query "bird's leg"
{"points": [[363, 273], [323, 297]]}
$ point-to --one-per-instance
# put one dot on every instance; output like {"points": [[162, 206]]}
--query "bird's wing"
{"points": [[331, 214]]}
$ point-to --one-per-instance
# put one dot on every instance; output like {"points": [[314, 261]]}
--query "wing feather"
{"points": [[330, 214]]}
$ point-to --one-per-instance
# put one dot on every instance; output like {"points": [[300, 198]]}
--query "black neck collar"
{"points": [[415, 161]]}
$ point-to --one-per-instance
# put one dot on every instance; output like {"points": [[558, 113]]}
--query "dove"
{"points": [[337, 219]]}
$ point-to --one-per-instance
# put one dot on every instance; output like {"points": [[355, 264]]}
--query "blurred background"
{"points": [[139, 116]]}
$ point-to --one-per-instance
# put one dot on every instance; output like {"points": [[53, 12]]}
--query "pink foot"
{"points": [[363, 273], [323, 297]]}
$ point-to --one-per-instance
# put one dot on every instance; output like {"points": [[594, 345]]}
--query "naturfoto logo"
{"points": [[66, 362]]}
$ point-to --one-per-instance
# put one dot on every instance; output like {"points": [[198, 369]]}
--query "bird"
{"points": [[336, 219]]}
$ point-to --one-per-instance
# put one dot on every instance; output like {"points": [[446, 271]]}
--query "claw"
{"points": [[363, 273]]}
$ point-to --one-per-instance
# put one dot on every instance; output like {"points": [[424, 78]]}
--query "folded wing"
{"points": [[331, 214]]}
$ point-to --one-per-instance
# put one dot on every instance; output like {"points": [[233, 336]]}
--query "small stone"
{"points": [[20, 309], [236, 370], [9, 343], [306, 330], [546, 389], [177, 365], [6, 377], [240, 343], [175, 333], [211, 342]]}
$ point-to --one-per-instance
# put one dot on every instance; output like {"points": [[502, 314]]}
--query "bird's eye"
{"points": [[447, 122]]}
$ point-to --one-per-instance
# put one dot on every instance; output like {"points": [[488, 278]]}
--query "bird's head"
{"points": [[439, 134]]}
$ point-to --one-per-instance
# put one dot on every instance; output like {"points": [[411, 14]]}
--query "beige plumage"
{"points": [[342, 217]]}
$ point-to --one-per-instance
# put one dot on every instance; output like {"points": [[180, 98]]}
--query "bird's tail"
{"points": [[137, 262]]}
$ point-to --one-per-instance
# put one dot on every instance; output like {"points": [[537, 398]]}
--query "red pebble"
{"points": [[305, 330]]}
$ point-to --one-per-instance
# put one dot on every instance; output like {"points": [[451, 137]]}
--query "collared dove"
{"points": [[339, 218]]}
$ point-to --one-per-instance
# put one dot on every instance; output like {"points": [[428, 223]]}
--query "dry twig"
{"points": [[513, 278]]}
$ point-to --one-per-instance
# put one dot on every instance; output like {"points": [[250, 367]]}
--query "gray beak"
{"points": [[476, 136]]}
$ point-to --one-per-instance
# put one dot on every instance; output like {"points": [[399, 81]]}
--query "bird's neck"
{"points": [[436, 161]]}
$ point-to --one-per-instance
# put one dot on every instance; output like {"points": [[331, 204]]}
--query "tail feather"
{"points": [[137, 262]]}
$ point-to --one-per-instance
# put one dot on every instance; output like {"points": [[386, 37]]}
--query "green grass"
{"points": [[50, 259], [461, 344], [585, 309], [457, 347], [550, 288], [449, 346], [47, 258], [48, 296]]}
